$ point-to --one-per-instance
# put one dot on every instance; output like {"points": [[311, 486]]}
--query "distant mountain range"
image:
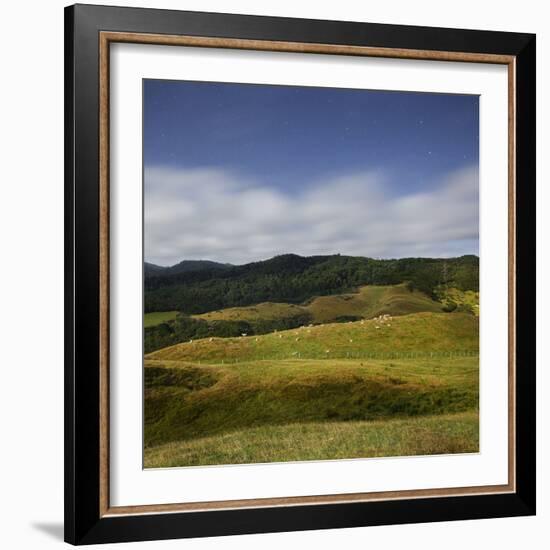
{"points": [[185, 266]]}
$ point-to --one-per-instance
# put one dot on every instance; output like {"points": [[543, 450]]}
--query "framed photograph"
{"points": [[300, 274]]}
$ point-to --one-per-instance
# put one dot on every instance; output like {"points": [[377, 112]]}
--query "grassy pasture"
{"points": [[442, 434], [371, 301], [185, 401], [318, 392], [420, 332], [368, 302], [158, 317], [265, 310]]}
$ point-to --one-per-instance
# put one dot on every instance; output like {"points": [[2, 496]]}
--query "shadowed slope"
{"points": [[186, 401]]}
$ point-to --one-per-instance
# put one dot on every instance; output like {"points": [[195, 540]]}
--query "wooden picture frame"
{"points": [[89, 32]]}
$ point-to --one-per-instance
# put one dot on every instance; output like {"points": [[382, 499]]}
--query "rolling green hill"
{"points": [[368, 302], [185, 400], [371, 301], [163, 329], [420, 332], [258, 312], [387, 386]]}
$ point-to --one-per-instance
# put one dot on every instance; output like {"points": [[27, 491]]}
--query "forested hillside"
{"points": [[295, 279]]}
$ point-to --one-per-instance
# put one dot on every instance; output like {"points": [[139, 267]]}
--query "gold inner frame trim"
{"points": [[105, 39]]}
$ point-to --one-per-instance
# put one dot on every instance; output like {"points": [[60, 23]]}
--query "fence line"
{"points": [[355, 355]]}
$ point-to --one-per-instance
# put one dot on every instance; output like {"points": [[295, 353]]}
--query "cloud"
{"points": [[219, 215]]}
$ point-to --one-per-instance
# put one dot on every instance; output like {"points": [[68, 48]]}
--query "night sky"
{"points": [[241, 172]]}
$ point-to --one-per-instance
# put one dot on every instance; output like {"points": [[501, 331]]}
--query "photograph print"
{"points": [[311, 273]]}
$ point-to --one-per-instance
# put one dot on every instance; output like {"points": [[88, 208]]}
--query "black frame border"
{"points": [[83, 523]]}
